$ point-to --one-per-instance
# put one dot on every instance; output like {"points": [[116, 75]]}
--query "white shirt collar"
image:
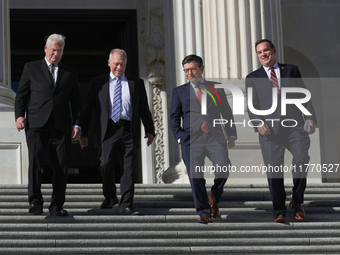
{"points": [[112, 77], [199, 83], [276, 65], [48, 63]]}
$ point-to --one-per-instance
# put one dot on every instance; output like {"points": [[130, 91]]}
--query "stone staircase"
{"points": [[168, 226]]}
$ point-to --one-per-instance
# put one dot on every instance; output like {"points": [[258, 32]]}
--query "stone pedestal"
{"points": [[13, 149]]}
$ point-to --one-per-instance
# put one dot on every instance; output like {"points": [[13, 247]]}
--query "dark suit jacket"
{"points": [[262, 97], [38, 97], [186, 107], [98, 101]]}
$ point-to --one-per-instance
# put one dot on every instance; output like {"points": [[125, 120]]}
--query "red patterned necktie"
{"points": [[273, 79], [204, 126]]}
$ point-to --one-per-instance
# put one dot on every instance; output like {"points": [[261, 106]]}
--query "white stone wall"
{"points": [[311, 32]]}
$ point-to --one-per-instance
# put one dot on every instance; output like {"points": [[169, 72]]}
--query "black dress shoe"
{"points": [[35, 209], [62, 213], [131, 211], [109, 203]]}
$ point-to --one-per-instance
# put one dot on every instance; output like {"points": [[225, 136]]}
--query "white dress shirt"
{"points": [[125, 107], [193, 85], [277, 72], [55, 69]]}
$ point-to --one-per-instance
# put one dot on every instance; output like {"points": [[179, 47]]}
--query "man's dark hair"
{"points": [[271, 45], [193, 58]]}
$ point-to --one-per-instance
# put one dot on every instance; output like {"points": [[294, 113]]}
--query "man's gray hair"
{"points": [[56, 38], [120, 51]]}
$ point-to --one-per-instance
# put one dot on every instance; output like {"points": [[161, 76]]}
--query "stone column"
{"points": [[187, 25], [224, 34], [13, 149], [7, 95], [231, 29]]}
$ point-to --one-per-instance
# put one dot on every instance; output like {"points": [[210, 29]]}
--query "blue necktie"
{"points": [[117, 98]]}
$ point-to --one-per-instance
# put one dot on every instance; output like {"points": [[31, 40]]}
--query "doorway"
{"points": [[90, 35]]}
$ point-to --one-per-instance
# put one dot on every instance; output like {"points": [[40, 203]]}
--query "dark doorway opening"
{"points": [[90, 35]]}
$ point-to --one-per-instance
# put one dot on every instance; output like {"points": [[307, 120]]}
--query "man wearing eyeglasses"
{"points": [[198, 136]]}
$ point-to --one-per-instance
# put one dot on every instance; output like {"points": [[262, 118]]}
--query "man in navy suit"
{"points": [[277, 131], [198, 136], [117, 130], [48, 107]]}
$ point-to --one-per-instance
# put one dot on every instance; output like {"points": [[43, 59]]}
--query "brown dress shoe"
{"points": [[214, 207], [280, 219], [299, 213], [205, 220]]}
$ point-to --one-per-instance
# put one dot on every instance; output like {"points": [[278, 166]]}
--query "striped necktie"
{"points": [[273, 79], [117, 98]]}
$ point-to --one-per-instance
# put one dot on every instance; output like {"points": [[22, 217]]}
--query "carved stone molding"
{"points": [[155, 60]]}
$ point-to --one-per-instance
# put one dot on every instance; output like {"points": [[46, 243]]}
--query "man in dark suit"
{"points": [[198, 136], [120, 103], [46, 91], [278, 131]]}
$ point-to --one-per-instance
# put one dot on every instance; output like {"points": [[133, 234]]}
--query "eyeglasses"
{"points": [[191, 69]]}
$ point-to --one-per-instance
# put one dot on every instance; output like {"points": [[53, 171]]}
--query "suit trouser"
{"points": [[273, 150], [118, 145], [59, 143], [194, 155]]}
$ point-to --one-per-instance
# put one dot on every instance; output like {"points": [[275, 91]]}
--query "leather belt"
{"points": [[123, 122]]}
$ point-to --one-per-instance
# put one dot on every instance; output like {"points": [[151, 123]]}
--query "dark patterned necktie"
{"points": [[52, 73]]}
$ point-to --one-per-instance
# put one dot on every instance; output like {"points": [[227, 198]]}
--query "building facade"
{"points": [[157, 35]]}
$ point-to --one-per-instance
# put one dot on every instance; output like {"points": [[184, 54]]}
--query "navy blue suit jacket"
{"points": [[186, 107], [262, 97]]}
